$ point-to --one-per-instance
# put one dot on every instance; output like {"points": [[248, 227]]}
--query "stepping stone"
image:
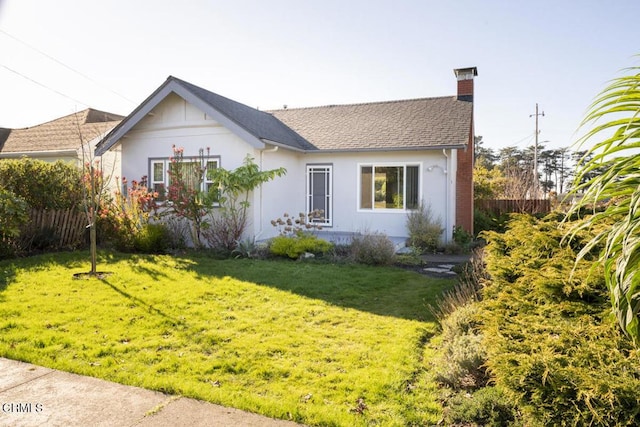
{"points": [[439, 270]]}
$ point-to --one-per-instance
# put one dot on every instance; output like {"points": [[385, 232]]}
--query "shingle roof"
{"points": [[60, 134], [260, 124], [393, 125], [407, 124]]}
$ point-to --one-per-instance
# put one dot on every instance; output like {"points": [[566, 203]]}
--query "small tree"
{"points": [[232, 190], [186, 197], [94, 189]]}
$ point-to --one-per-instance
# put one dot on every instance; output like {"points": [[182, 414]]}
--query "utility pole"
{"points": [[535, 152]]}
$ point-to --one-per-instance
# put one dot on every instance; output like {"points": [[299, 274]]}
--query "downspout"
{"points": [[269, 150], [447, 196]]}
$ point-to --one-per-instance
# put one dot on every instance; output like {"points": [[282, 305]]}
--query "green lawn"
{"points": [[317, 343]]}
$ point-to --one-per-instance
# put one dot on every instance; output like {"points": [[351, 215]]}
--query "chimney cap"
{"points": [[466, 73]]}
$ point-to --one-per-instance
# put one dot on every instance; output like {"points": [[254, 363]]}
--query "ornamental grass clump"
{"points": [[373, 249], [425, 231]]}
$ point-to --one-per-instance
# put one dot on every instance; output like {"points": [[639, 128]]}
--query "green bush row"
{"points": [[42, 185], [552, 346]]}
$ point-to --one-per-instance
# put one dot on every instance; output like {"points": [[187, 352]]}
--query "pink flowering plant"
{"points": [[127, 215], [185, 196]]}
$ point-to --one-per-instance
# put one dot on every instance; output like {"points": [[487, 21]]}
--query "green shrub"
{"points": [[295, 246], [460, 365], [373, 249], [13, 215], [425, 231], [38, 239], [487, 221], [153, 238], [43, 185], [552, 345], [485, 407], [462, 237]]}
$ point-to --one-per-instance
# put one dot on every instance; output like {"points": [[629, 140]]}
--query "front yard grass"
{"points": [[316, 343]]}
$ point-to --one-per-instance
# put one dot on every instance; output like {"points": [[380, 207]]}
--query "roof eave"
{"points": [[388, 149], [287, 146], [43, 153]]}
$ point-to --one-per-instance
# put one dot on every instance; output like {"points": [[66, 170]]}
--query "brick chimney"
{"points": [[465, 82], [464, 175]]}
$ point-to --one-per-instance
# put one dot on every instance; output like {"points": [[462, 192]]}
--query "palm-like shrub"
{"points": [[615, 187]]}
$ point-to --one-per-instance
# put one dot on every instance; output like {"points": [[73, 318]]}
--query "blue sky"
{"points": [[558, 54]]}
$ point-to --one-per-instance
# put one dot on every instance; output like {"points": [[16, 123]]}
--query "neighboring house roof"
{"points": [[426, 123], [409, 124], [65, 133]]}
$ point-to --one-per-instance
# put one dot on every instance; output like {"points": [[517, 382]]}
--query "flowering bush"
{"points": [[289, 226], [124, 219], [185, 196]]}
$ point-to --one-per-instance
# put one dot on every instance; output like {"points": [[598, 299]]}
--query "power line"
{"points": [[44, 86], [528, 137], [67, 67]]}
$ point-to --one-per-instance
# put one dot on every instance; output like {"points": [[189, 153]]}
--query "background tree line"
{"points": [[508, 173]]}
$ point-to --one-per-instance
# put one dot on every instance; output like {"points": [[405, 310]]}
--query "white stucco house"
{"points": [[365, 165]]}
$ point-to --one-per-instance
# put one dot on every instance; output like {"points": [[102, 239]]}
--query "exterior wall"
{"points": [[289, 194], [282, 195]]}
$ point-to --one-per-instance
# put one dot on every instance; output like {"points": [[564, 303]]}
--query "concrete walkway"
{"points": [[35, 396]]}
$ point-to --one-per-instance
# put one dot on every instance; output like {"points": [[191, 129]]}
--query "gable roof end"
{"points": [[252, 125]]}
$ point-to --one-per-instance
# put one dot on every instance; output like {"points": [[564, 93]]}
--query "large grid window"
{"points": [[160, 177], [389, 187]]}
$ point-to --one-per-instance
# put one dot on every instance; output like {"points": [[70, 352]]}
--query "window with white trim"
{"points": [[160, 178], [389, 187], [320, 193]]}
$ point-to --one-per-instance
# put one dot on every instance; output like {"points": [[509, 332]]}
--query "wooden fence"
{"points": [[67, 227], [504, 206]]}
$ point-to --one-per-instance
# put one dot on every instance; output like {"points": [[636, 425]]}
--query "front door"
{"points": [[319, 192]]}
